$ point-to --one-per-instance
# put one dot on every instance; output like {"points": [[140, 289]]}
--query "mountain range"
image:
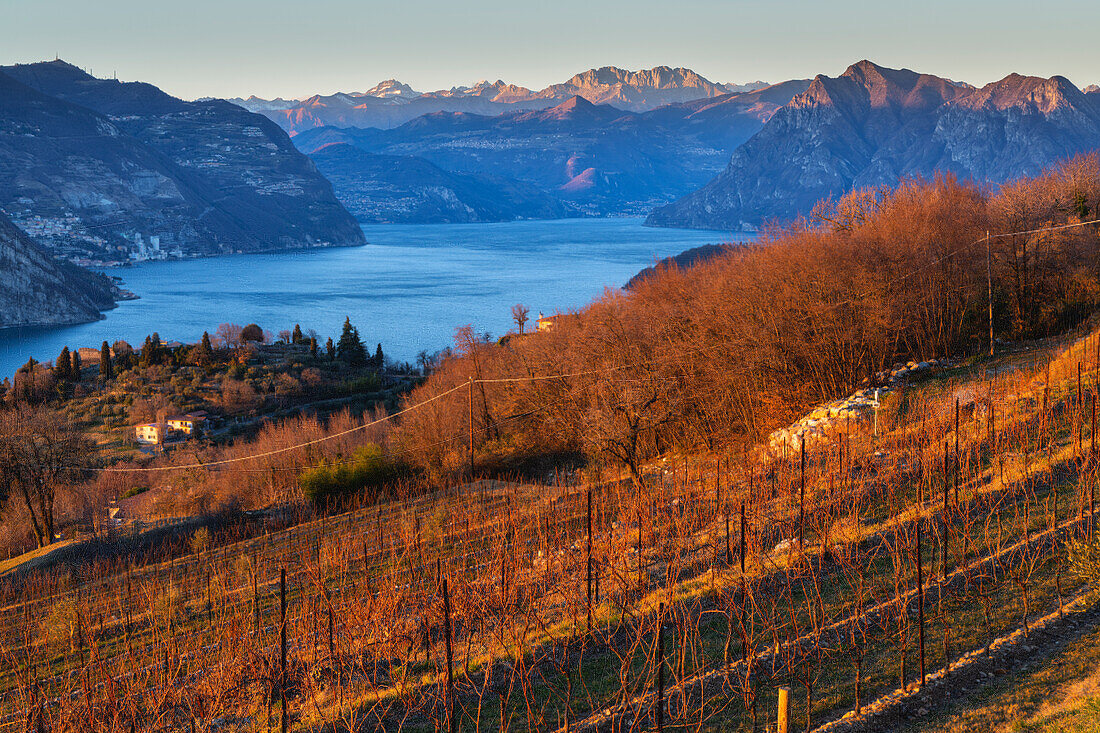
{"points": [[873, 125], [575, 158], [391, 103], [100, 168]]}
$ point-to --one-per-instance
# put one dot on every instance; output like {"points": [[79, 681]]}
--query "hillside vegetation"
{"points": [[684, 574], [716, 355], [563, 607]]}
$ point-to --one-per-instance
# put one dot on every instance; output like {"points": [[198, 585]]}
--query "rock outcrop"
{"points": [[874, 125], [831, 419], [38, 290]]}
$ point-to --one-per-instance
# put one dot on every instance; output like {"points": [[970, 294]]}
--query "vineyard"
{"points": [[868, 566]]}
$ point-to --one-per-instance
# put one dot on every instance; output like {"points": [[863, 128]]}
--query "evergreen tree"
{"points": [[206, 350], [146, 358], [26, 383], [63, 368], [313, 346], [350, 347], [252, 332], [106, 368], [151, 351], [330, 349], [379, 359], [296, 337], [74, 371]]}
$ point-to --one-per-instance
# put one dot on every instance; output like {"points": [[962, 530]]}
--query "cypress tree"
{"points": [[330, 350], [379, 359], [146, 358], [106, 368], [63, 368], [74, 371], [206, 350], [350, 347], [296, 337], [313, 346]]}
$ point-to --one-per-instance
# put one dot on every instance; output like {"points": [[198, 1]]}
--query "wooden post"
{"points": [[589, 559], [802, 499], [282, 648], [729, 556], [717, 486], [255, 598], [129, 616], [742, 538], [920, 603], [331, 630], [958, 464], [784, 709], [661, 669], [450, 703], [943, 546]]}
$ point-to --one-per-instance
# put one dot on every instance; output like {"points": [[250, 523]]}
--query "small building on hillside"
{"points": [[187, 424], [545, 323], [151, 433]]}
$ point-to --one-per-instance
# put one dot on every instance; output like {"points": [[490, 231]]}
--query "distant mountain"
{"points": [[593, 159], [872, 125], [392, 89], [37, 290], [752, 86], [391, 103], [636, 91], [113, 163], [396, 189], [255, 104]]}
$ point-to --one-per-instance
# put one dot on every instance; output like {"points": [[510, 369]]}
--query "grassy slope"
{"points": [[625, 620]]}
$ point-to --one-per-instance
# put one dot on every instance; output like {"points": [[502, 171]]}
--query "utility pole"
{"points": [[989, 288], [471, 448]]}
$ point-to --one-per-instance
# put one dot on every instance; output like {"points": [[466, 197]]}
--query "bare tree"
{"points": [[519, 315], [39, 454]]}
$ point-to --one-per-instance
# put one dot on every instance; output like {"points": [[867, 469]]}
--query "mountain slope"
{"points": [[37, 290], [873, 125], [596, 159], [206, 177], [385, 189]]}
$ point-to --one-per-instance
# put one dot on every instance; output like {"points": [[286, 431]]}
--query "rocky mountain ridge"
{"points": [[99, 169], [873, 125], [391, 103]]}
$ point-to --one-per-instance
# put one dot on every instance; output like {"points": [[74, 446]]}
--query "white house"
{"points": [[151, 433]]}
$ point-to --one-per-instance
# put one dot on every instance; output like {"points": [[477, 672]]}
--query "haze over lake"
{"points": [[408, 289]]}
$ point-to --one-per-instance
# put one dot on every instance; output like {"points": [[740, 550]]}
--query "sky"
{"points": [[228, 48]]}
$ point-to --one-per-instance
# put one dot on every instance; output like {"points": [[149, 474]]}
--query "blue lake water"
{"points": [[408, 289]]}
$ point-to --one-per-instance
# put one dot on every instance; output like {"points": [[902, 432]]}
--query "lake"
{"points": [[408, 289]]}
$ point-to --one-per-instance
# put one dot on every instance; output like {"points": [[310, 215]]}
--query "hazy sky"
{"points": [[195, 48]]}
